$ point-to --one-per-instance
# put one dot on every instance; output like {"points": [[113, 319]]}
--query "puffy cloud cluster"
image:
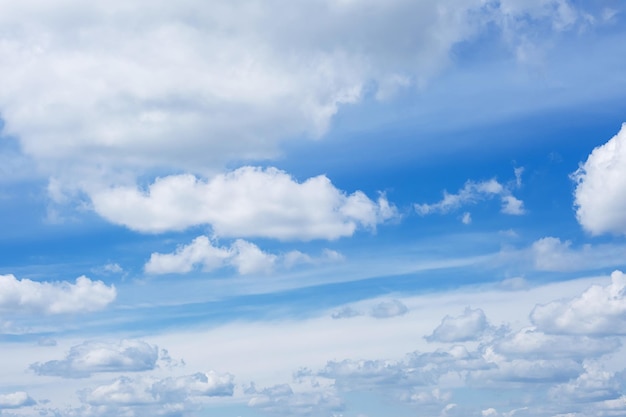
{"points": [[24, 295], [93, 357], [243, 203], [600, 195], [601, 310], [245, 256], [126, 391], [557, 360]]}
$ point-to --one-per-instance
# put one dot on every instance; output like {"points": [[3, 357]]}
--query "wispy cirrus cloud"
{"points": [[473, 192]]}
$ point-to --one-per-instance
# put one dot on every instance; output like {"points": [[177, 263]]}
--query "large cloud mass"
{"points": [[600, 196], [193, 85]]}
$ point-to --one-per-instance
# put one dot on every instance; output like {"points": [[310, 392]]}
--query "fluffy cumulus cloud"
{"points": [[126, 391], [92, 357], [246, 202], [529, 343], [149, 396], [600, 195], [600, 310], [471, 193], [468, 326], [24, 295], [196, 84], [17, 399], [244, 256]]}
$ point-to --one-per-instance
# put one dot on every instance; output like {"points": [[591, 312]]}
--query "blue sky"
{"points": [[328, 208]]}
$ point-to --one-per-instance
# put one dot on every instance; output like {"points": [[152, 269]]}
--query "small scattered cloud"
{"points": [[514, 284], [388, 309], [94, 357], [512, 205], [59, 297], [473, 192], [244, 256], [113, 268], [466, 218], [518, 176], [346, 313], [468, 326]]}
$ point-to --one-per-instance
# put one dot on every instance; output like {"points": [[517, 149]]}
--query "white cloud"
{"points": [[528, 343], [467, 218], [92, 357], [512, 205], [345, 313], [199, 252], [468, 326], [244, 256], [54, 297], [595, 384], [600, 195], [226, 82], [471, 193], [250, 259], [244, 203], [209, 384], [17, 399], [113, 268], [552, 254], [529, 371], [387, 309], [153, 396], [282, 400], [600, 310]]}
